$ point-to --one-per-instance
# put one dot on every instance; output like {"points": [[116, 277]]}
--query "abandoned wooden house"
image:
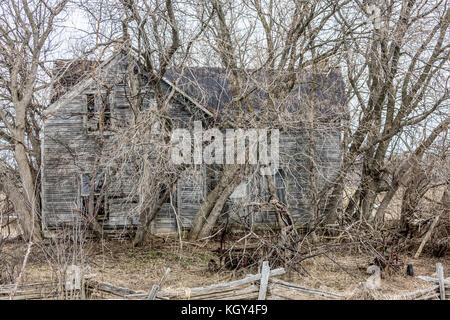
{"points": [[71, 125]]}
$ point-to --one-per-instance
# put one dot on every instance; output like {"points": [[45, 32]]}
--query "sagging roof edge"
{"points": [[88, 80]]}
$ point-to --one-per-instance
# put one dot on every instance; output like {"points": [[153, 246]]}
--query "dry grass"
{"points": [[139, 268], [327, 275]]}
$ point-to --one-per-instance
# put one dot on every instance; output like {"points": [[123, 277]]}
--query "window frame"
{"points": [[84, 196], [91, 117]]}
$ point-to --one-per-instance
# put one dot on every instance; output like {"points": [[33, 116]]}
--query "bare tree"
{"points": [[394, 59], [26, 31], [279, 43], [397, 72]]}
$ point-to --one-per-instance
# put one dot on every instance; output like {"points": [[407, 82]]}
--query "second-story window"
{"points": [[98, 112], [90, 98], [105, 108]]}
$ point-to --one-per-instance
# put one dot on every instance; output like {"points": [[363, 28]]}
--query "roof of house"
{"points": [[208, 87], [211, 86], [67, 73], [72, 77]]}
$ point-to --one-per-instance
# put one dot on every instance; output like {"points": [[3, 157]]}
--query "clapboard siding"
{"points": [[68, 151], [191, 193]]}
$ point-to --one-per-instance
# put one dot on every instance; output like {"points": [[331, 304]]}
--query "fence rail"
{"points": [[263, 285]]}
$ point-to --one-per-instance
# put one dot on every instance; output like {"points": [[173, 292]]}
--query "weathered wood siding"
{"points": [[68, 151], [294, 164]]}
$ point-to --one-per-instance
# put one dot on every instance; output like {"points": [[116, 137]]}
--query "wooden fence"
{"points": [[261, 286]]}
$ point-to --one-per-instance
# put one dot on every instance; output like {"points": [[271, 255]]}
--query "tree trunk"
{"points": [[147, 217], [29, 225], [28, 206], [405, 173], [205, 209], [218, 206], [414, 191], [379, 216]]}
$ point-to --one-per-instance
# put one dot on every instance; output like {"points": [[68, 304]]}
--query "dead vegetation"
{"points": [[118, 263], [392, 171]]}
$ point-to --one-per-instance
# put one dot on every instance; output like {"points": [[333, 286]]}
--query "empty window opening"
{"points": [[99, 199], [90, 106], [279, 180], [106, 109], [173, 194], [280, 186], [98, 111]]}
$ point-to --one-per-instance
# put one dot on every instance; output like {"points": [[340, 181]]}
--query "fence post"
{"points": [[440, 276], [156, 287], [265, 273]]}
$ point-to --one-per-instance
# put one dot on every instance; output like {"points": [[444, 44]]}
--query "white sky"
{"points": [[73, 29]]}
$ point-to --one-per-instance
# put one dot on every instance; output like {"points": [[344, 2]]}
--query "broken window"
{"points": [[90, 98], [106, 109], [98, 111], [280, 186], [162, 192], [99, 198], [268, 214]]}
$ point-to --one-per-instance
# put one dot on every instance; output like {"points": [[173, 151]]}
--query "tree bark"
{"points": [[28, 206], [29, 225], [205, 209], [147, 217], [405, 173], [218, 207]]}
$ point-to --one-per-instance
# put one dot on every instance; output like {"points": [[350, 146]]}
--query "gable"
{"points": [[106, 69]]}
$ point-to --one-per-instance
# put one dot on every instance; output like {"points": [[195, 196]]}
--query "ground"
{"points": [[118, 263]]}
